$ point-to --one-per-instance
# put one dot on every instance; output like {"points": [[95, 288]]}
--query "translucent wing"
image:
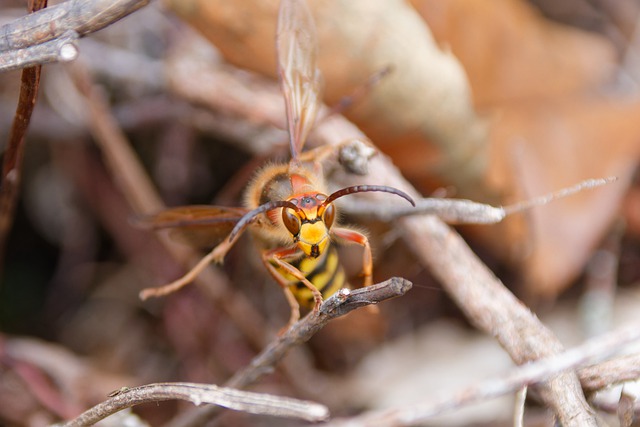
{"points": [[201, 226], [300, 79]]}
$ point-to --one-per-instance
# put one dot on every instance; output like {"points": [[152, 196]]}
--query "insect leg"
{"points": [[353, 236], [278, 257], [291, 299], [216, 255]]}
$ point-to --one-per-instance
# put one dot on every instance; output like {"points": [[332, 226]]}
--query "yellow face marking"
{"points": [[314, 238]]}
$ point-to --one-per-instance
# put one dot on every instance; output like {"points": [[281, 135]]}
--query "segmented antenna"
{"points": [[367, 188]]}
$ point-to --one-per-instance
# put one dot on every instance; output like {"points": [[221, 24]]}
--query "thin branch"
{"points": [[461, 211], [611, 372], [564, 192], [491, 307], [592, 351], [121, 159], [337, 305], [57, 27], [14, 153], [254, 403]]}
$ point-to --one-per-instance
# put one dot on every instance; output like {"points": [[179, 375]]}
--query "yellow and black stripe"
{"points": [[324, 272]]}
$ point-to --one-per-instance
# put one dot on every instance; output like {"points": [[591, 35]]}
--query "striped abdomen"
{"points": [[324, 272]]}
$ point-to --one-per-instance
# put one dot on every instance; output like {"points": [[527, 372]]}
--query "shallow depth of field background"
{"points": [[496, 102]]}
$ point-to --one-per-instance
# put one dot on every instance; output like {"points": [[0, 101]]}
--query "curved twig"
{"points": [[251, 402]]}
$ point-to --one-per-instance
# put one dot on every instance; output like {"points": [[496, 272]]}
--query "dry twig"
{"points": [[590, 352], [48, 35], [62, 49], [492, 308], [13, 156], [254, 403], [459, 211], [337, 305]]}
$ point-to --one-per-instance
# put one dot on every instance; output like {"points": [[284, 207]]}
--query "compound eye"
{"points": [[291, 220], [329, 215]]}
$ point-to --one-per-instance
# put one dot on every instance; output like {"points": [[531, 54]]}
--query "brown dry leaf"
{"points": [[533, 77], [542, 147], [511, 52]]}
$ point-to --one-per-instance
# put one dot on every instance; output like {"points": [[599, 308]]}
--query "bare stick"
{"points": [[461, 211], [543, 200], [614, 371], [62, 49], [14, 152], [337, 305], [592, 351], [495, 310], [19, 38], [254, 403]]}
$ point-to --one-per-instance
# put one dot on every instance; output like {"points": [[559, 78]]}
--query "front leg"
{"points": [[278, 257], [217, 254], [353, 236]]}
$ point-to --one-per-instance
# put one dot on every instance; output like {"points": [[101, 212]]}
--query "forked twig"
{"points": [[337, 305]]}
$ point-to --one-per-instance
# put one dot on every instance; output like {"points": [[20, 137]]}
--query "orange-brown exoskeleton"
{"points": [[286, 205]]}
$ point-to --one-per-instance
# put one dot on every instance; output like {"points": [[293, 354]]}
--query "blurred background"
{"points": [[496, 102]]}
